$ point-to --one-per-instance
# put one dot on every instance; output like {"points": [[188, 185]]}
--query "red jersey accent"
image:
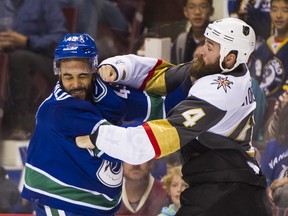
{"points": [[152, 139], [150, 74]]}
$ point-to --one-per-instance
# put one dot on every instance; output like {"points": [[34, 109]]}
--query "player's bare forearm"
{"points": [[84, 142]]}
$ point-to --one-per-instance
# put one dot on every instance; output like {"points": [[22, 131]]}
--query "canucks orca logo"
{"points": [[272, 76], [222, 83], [110, 173]]}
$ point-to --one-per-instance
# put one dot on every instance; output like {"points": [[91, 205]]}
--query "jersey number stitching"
{"points": [[192, 116]]}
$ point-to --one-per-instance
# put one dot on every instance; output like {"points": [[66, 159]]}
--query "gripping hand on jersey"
{"points": [[107, 73]]}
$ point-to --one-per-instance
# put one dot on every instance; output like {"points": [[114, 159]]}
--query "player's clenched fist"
{"points": [[107, 73]]}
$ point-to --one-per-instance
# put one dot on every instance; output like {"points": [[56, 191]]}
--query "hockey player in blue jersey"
{"points": [[62, 179]]}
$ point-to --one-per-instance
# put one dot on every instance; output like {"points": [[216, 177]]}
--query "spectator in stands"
{"points": [[256, 14], [163, 165], [198, 13], [9, 193], [93, 12], [274, 161], [269, 65], [141, 193], [36, 27], [173, 160], [174, 185]]}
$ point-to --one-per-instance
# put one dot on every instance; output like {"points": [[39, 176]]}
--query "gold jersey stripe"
{"points": [[157, 83], [166, 136]]}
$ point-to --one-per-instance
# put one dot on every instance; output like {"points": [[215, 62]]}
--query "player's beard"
{"points": [[200, 69], [88, 91]]}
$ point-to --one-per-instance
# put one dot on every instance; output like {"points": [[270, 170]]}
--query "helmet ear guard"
{"points": [[233, 35], [76, 46]]}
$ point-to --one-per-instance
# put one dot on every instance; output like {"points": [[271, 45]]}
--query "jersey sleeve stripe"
{"points": [[165, 137], [152, 139], [155, 81], [150, 74]]}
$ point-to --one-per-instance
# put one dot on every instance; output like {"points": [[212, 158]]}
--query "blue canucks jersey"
{"points": [[61, 175], [270, 67]]}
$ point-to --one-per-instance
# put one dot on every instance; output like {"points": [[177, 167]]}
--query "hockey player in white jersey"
{"points": [[212, 127]]}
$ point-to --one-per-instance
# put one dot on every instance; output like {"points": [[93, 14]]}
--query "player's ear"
{"points": [[230, 60]]}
